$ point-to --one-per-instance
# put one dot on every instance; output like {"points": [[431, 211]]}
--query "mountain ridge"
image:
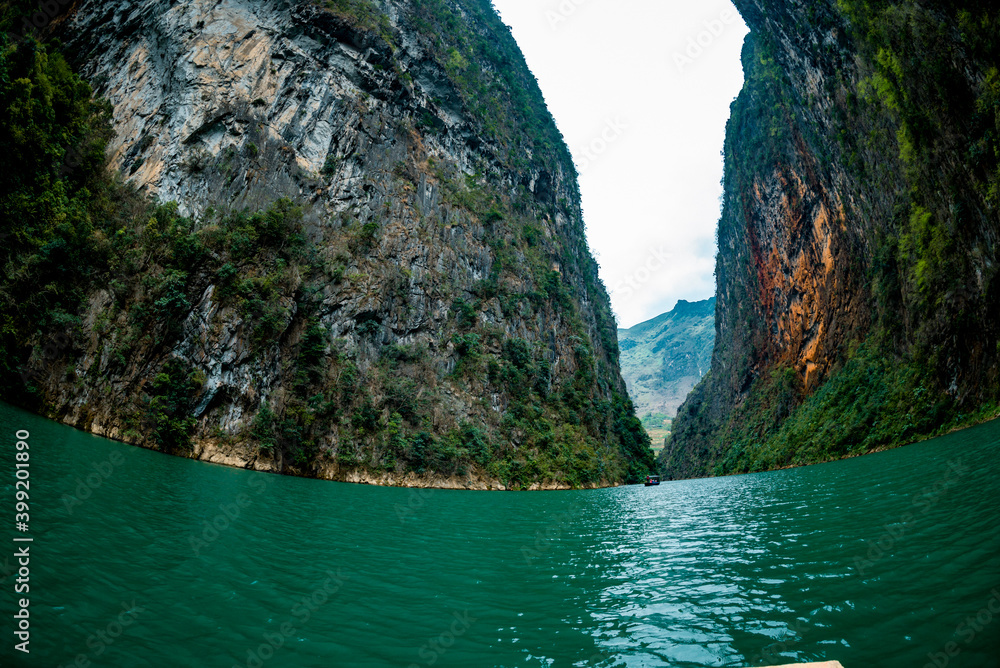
{"points": [[663, 358]]}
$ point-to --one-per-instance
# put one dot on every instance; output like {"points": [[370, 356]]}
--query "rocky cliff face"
{"points": [[857, 266], [375, 268], [664, 358]]}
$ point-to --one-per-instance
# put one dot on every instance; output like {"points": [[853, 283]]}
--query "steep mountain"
{"points": [[664, 358], [858, 286], [337, 239]]}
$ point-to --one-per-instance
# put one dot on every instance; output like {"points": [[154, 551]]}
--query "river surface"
{"points": [[141, 559]]}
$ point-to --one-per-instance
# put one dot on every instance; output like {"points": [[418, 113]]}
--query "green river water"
{"points": [[141, 559]]}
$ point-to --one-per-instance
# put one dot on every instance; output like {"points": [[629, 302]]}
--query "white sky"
{"points": [[613, 76]]}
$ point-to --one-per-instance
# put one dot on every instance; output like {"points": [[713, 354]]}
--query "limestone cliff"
{"points": [[857, 266], [374, 267]]}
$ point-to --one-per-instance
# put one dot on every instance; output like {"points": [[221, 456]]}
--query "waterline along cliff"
{"points": [[858, 292], [336, 239]]}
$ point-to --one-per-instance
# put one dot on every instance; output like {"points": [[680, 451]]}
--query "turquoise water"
{"points": [[875, 561]]}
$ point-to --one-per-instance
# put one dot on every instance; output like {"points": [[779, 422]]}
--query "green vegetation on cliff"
{"points": [[90, 264], [905, 140], [58, 213], [483, 62]]}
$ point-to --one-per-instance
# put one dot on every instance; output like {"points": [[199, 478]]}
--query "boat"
{"points": [[652, 480]]}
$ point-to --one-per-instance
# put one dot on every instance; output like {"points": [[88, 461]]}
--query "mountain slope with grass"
{"points": [[338, 239], [662, 359]]}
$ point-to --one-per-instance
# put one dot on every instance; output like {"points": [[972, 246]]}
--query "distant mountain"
{"points": [[664, 358]]}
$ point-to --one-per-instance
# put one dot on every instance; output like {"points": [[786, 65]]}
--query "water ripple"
{"points": [[873, 562]]}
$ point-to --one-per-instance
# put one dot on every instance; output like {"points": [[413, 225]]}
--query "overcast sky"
{"points": [[641, 91]]}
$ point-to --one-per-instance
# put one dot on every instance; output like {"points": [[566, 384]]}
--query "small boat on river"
{"points": [[652, 480]]}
